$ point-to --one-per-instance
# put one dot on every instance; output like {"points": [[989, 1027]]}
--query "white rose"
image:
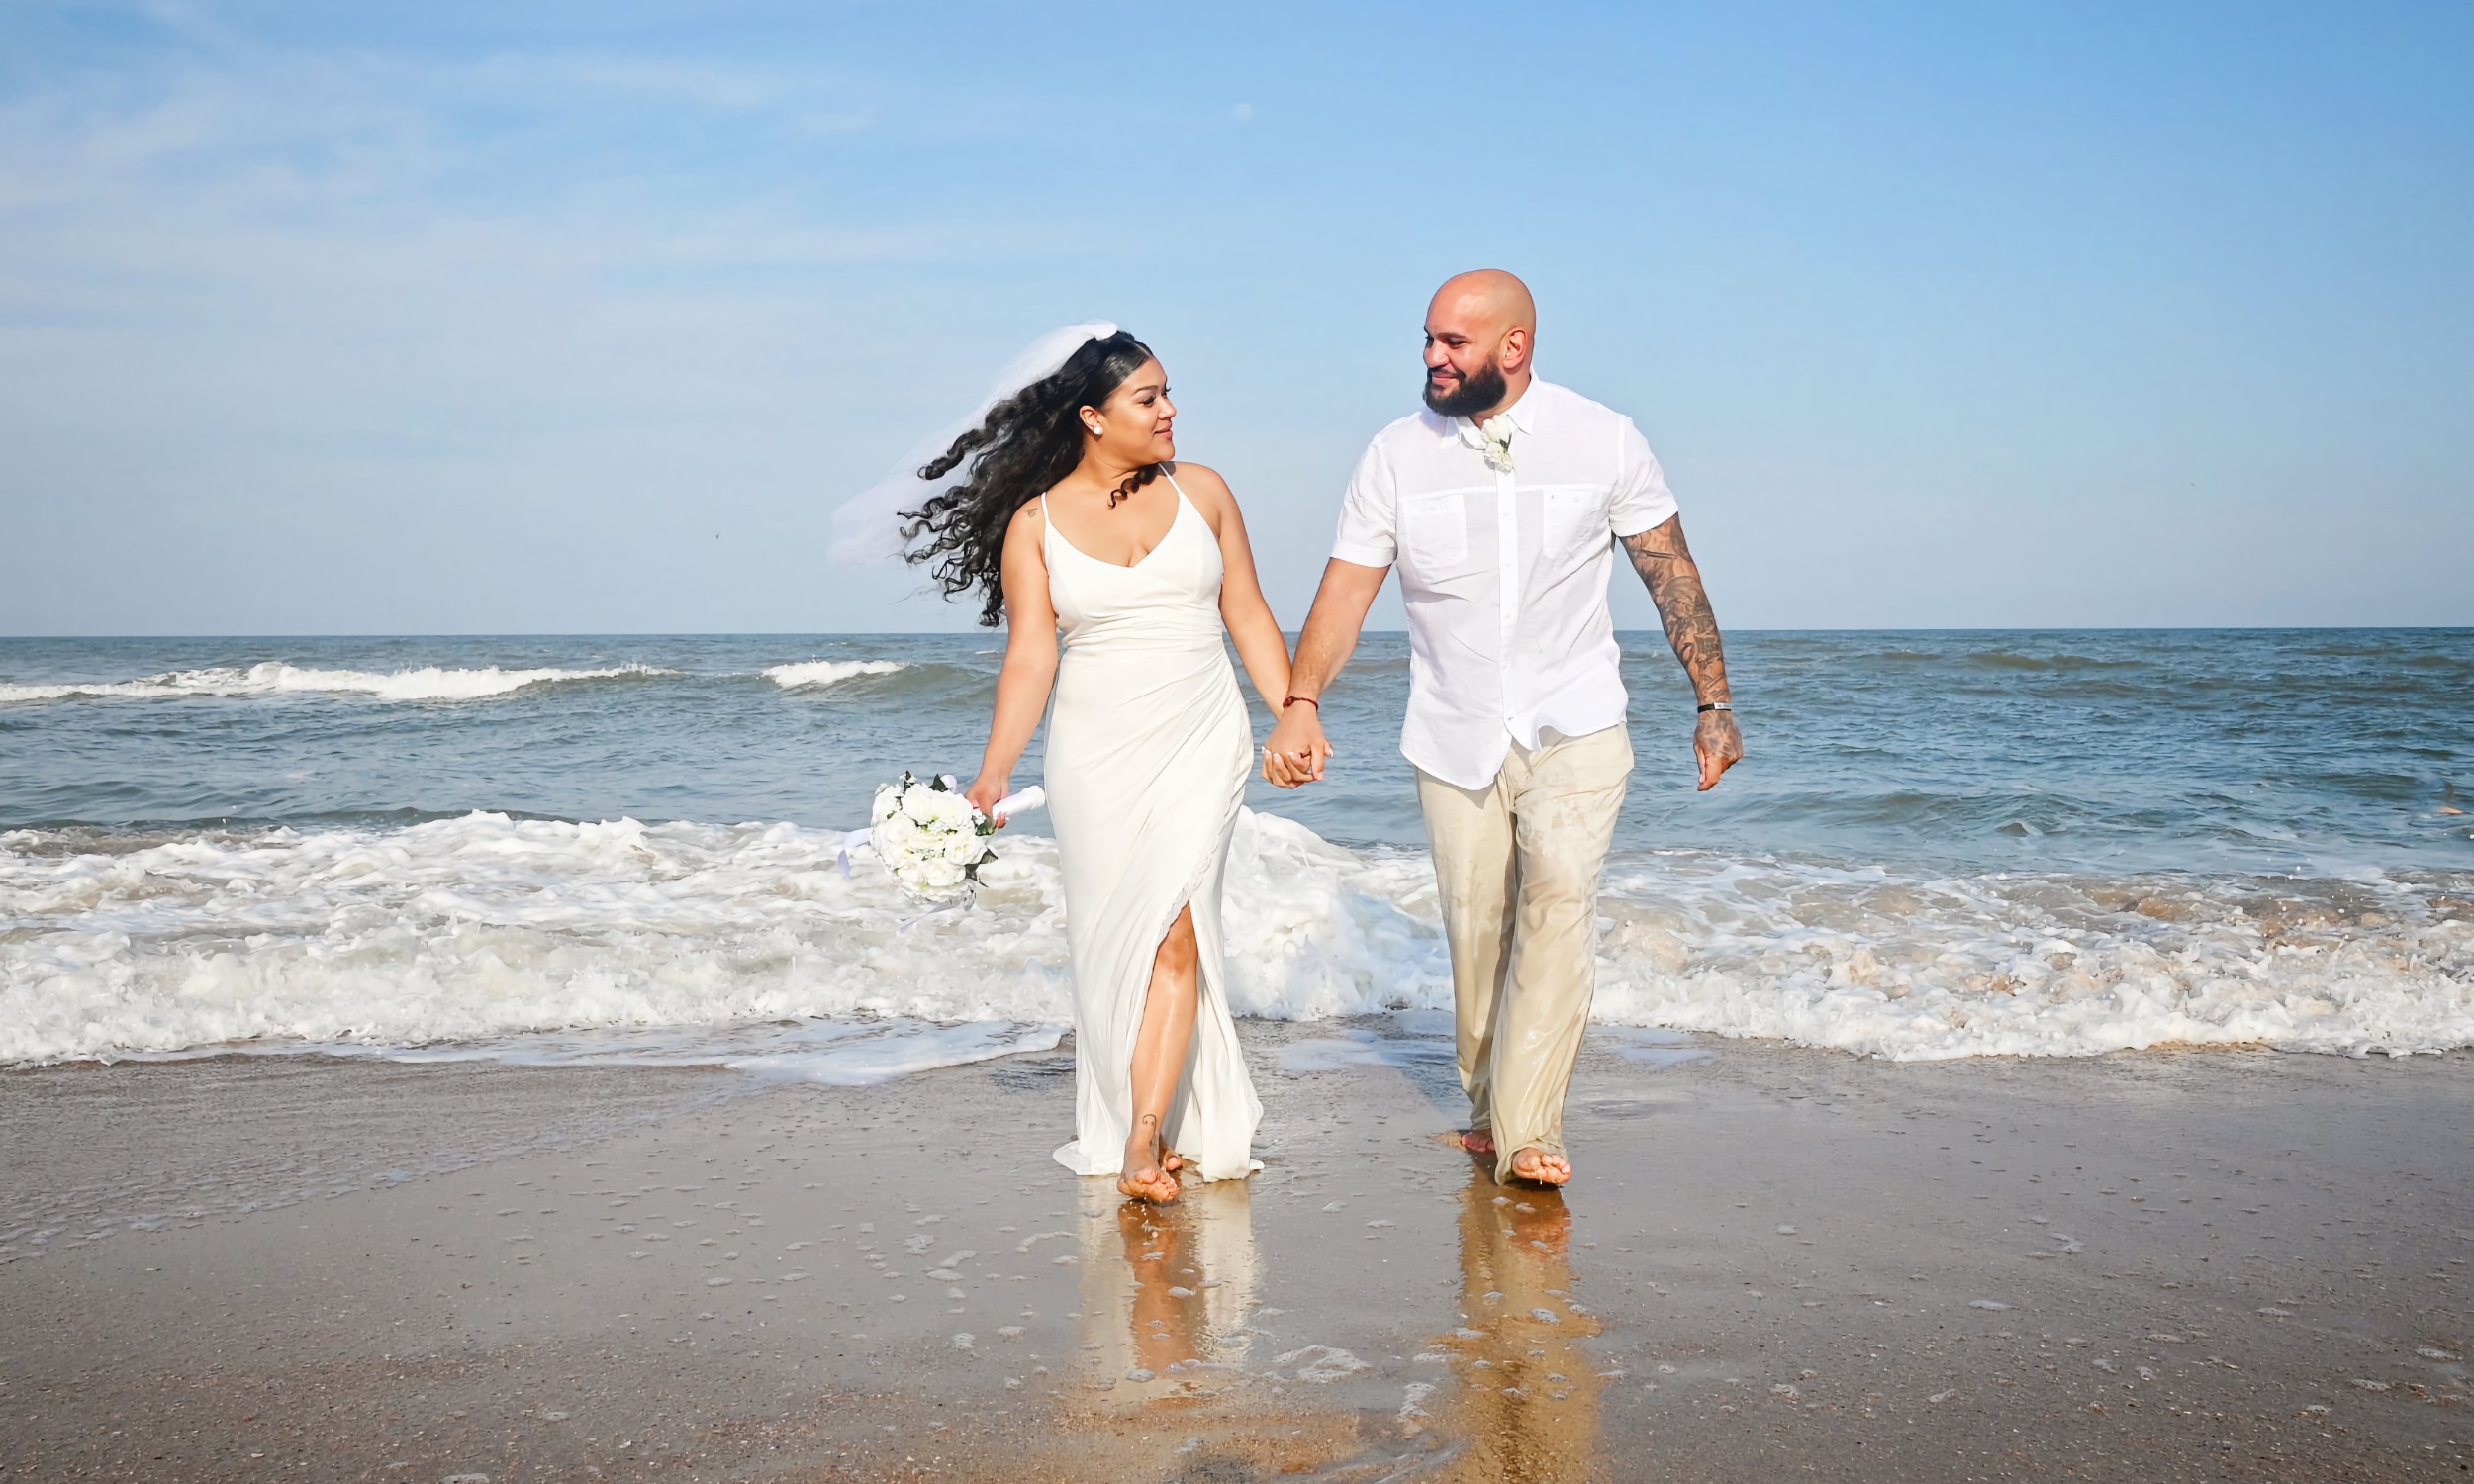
{"points": [[940, 876], [919, 802], [954, 811], [894, 837], [964, 850], [887, 800]]}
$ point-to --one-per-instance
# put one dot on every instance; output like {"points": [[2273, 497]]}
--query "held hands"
{"points": [[1718, 745], [1296, 749]]}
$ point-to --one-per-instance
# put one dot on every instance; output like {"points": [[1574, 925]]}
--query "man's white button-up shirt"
{"points": [[1504, 572]]}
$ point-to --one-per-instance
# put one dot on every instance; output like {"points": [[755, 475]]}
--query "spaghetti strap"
{"points": [[1185, 502]]}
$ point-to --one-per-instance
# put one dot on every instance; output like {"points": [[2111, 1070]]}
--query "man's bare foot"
{"points": [[1478, 1141], [1542, 1166], [1147, 1176]]}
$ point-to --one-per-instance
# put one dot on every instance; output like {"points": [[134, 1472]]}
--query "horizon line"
{"points": [[931, 633]]}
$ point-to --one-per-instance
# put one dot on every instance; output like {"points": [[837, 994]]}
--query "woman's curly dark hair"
{"points": [[1024, 446]]}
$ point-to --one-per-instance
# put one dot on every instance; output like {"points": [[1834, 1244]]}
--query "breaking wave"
{"points": [[538, 940], [275, 677], [827, 672]]}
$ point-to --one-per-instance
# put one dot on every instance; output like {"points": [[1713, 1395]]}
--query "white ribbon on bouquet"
{"points": [[1022, 802]]}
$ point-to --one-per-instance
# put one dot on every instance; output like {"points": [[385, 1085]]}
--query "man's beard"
{"points": [[1479, 390]]}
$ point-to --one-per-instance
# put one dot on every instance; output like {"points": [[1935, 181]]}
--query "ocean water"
{"points": [[563, 850]]}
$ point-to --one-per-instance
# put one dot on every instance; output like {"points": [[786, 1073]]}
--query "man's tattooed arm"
{"points": [[1667, 568]]}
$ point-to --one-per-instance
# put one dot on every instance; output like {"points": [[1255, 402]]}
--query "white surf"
{"points": [[275, 677], [746, 945], [827, 672]]}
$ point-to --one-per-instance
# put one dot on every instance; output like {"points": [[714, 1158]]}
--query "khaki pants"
{"points": [[1516, 864]]}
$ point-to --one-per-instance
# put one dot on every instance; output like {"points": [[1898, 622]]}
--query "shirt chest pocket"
{"points": [[1434, 533], [1577, 520]]}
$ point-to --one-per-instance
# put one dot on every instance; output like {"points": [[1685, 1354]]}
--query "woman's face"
{"points": [[1138, 424]]}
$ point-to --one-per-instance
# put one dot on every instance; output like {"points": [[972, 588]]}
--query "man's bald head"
{"points": [[1491, 295], [1480, 330]]}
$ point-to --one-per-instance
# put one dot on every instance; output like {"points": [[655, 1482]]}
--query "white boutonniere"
{"points": [[1497, 430]]}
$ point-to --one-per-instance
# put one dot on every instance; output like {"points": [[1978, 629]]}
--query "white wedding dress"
{"points": [[1149, 751]]}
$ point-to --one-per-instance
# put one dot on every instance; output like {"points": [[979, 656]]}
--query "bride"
{"points": [[1073, 515]]}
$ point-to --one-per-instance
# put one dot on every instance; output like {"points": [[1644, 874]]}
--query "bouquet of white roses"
{"points": [[928, 836], [932, 839]]}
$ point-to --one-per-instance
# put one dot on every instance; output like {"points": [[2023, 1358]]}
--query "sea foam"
{"points": [[744, 944], [827, 672], [275, 677], [2022, 963]]}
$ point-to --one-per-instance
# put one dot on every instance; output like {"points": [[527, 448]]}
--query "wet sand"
{"points": [[1775, 1264]]}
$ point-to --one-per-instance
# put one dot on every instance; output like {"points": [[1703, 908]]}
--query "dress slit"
{"points": [[1209, 994]]}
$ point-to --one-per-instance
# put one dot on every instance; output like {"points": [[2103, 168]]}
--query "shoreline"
{"points": [[1773, 1260]]}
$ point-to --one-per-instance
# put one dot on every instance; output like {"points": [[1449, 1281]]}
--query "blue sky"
{"points": [[504, 318]]}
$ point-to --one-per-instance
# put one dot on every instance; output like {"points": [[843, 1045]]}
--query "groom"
{"points": [[1501, 505]]}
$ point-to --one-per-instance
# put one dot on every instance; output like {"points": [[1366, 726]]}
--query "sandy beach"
{"points": [[1775, 1263]]}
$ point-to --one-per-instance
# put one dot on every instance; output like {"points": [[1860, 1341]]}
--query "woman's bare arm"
{"points": [[1260, 645], [1030, 667]]}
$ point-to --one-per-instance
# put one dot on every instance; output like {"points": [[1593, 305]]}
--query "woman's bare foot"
{"points": [[1543, 1166], [1148, 1176], [1478, 1141]]}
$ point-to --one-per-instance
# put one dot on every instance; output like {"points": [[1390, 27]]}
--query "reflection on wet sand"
{"points": [[1167, 1295], [1165, 1291], [1527, 1404]]}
